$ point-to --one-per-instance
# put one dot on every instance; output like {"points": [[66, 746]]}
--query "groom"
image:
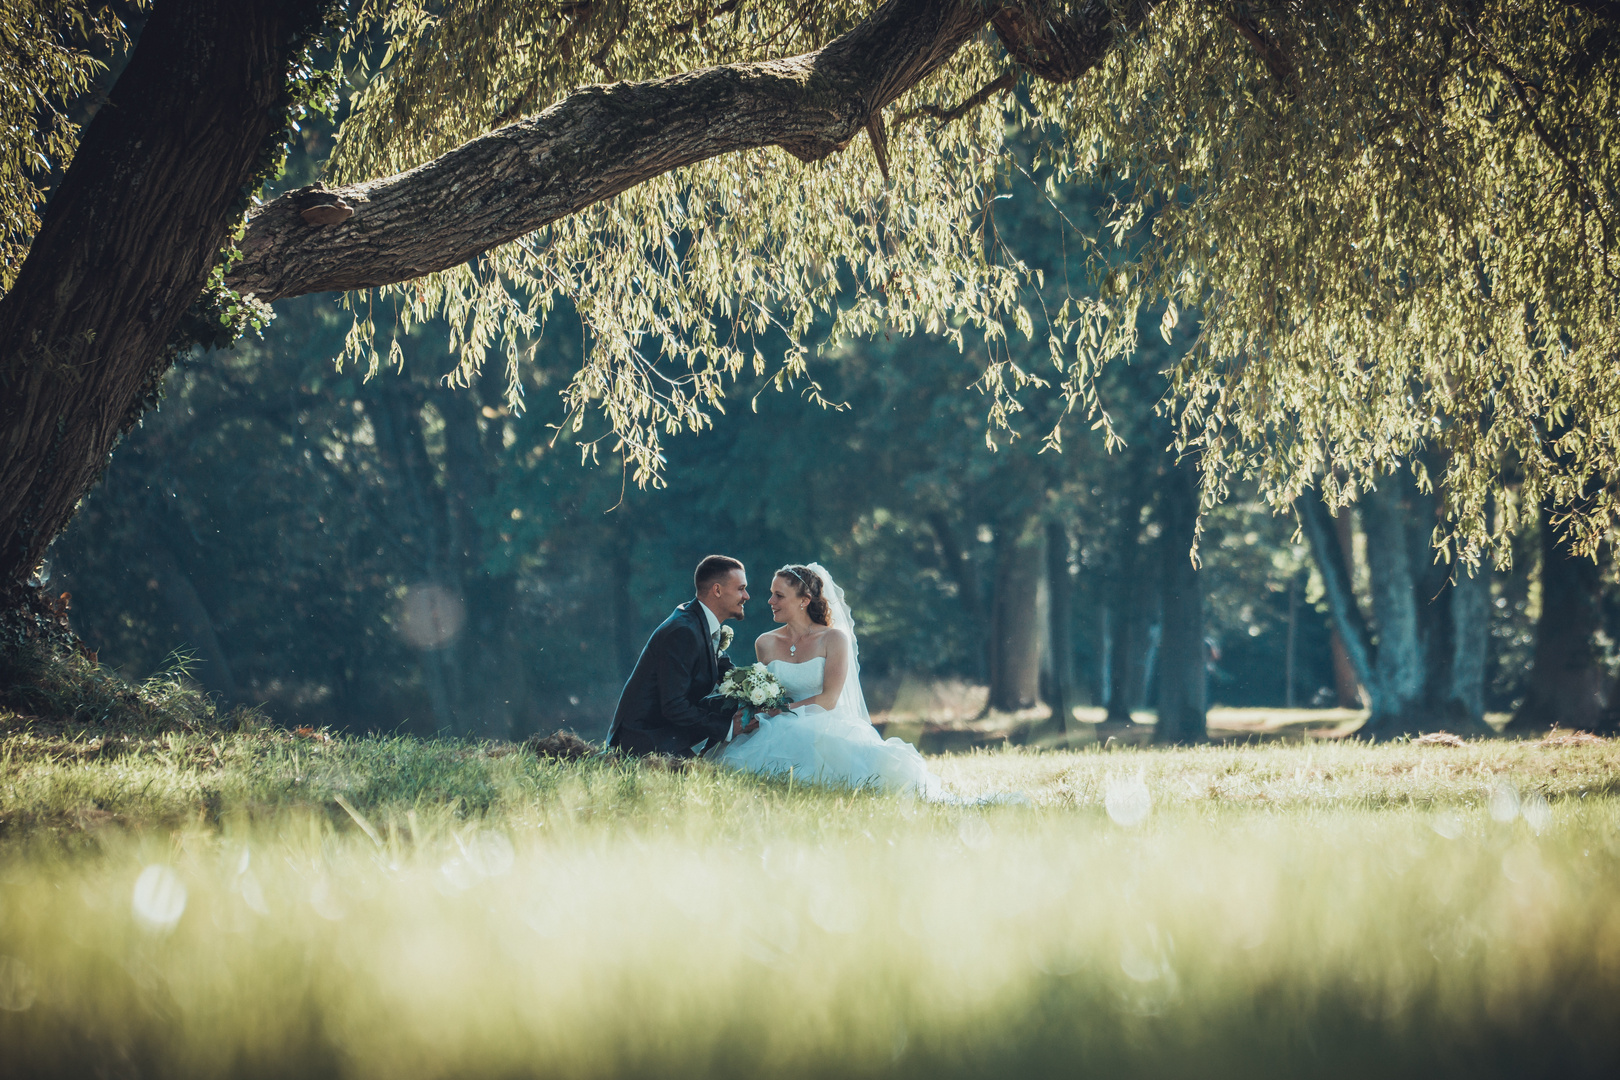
{"points": [[662, 709]]}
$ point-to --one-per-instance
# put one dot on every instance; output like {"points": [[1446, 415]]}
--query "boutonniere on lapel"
{"points": [[726, 635]]}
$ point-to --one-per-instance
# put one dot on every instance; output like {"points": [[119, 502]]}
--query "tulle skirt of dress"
{"points": [[815, 746]]}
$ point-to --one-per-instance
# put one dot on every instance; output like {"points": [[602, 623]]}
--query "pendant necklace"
{"points": [[793, 650]]}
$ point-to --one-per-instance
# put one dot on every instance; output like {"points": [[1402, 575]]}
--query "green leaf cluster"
{"points": [[1396, 222], [51, 53]]}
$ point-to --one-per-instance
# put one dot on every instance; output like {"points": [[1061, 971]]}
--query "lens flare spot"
{"points": [[1128, 801], [1504, 801], [430, 616], [159, 898]]}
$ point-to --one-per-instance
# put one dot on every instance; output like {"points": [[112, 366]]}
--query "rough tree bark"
{"points": [[1182, 675], [125, 247], [602, 140], [86, 333]]}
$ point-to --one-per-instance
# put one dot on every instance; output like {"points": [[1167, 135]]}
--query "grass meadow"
{"points": [[263, 904]]}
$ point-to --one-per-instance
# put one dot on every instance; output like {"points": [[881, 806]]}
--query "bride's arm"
{"points": [[835, 674]]}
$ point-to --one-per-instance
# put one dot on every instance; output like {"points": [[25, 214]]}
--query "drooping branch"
{"points": [[1005, 81], [603, 140]]}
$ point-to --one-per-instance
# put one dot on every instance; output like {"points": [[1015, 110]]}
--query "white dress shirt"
{"points": [[714, 625]]}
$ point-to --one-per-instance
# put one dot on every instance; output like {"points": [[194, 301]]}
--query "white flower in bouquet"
{"points": [[754, 686]]}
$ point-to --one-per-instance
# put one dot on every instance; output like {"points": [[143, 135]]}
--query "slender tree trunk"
{"points": [[1349, 624], [1399, 668], [1060, 637], [1470, 637], [1346, 686], [1128, 617], [1566, 682], [1182, 674], [124, 249], [1015, 654]]}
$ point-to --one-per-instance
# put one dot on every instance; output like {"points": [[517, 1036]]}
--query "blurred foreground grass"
{"points": [[264, 905]]}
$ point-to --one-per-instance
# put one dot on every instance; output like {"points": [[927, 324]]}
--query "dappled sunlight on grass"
{"points": [[268, 905]]}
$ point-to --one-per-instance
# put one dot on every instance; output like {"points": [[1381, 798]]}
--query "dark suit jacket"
{"points": [[662, 708]]}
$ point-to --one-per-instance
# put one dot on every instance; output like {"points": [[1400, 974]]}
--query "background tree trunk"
{"points": [[1347, 685], [1015, 654], [1427, 671], [1128, 620], [1566, 680], [1182, 675], [125, 248], [1059, 635]]}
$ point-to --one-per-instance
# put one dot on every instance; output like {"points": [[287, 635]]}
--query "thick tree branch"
{"points": [[1270, 53], [602, 140]]}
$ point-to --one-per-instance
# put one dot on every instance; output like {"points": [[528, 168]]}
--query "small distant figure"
{"points": [[665, 707]]}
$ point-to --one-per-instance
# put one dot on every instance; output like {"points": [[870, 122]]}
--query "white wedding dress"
{"points": [[835, 747]]}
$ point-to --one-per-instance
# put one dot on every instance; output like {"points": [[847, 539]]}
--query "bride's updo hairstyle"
{"points": [[807, 583]]}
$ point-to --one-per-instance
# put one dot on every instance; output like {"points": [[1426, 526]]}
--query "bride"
{"points": [[826, 735]]}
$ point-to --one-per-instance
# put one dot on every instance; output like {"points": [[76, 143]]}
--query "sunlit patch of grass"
{"points": [[265, 904]]}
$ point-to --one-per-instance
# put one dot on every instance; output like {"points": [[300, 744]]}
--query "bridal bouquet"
{"points": [[755, 687]]}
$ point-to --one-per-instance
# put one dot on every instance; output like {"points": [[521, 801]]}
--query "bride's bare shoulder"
{"points": [[834, 640], [768, 646]]}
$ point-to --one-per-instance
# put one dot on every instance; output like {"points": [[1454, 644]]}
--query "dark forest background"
{"points": [[397, 554]]}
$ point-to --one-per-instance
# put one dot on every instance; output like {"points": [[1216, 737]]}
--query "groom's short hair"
{"points": [[712, 569]]}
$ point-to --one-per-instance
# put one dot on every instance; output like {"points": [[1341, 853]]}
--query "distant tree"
{"points": [[1427, 669]]}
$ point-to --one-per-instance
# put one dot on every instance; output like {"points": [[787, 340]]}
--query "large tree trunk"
{"points": [[1015, 638], [1566, 679], [124, 249], [1182, 673]]}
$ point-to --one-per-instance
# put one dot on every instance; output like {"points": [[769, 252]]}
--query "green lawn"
{"points": [[263, 904]]}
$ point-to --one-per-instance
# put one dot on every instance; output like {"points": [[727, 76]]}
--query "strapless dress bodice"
{"points": [[800, 680]]}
